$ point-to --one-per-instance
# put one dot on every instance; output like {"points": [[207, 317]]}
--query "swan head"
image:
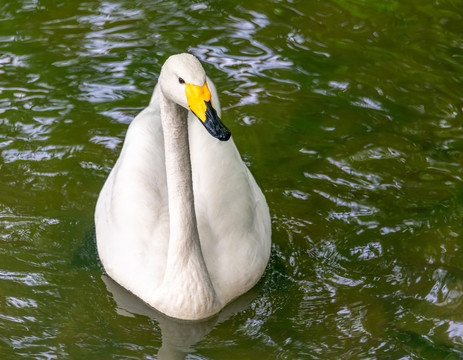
{"points": [[183, 81]]}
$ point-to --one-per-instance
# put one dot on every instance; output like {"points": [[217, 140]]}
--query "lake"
{"points": [[349, 113]]}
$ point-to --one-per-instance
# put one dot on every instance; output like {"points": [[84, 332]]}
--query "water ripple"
{"points": [[29, 279], [353, 130]]}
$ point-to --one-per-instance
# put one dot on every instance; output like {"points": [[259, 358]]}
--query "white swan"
{"points": [[180, 221]]}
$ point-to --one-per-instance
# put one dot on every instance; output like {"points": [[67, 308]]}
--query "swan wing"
{"points": [[132, 212], [231, 210]]}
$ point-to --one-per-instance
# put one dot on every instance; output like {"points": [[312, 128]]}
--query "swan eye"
{"points": [[181, 81]]}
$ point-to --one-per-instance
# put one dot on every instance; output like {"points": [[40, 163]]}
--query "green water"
{"points": [[348, 112]]}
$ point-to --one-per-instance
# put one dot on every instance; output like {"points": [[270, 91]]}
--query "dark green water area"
{"points": [[349, 113]]}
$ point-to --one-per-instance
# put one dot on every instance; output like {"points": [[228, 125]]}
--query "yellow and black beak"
{"points": [[199, 102]]}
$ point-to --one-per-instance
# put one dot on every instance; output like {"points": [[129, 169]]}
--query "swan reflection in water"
{"points": [[178, 336]]}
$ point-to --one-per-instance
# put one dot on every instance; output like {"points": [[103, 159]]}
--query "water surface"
{"points": [[349, 114]]}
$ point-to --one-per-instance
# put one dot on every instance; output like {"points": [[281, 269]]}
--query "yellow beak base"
{"points": [[197, 97]]}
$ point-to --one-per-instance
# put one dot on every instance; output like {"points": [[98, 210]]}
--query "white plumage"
{"points": [[180, 221]]}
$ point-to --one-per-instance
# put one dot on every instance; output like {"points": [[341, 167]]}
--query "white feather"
{"points": [[230, 212]]}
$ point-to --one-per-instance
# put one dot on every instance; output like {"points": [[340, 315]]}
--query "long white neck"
{"points": [[186, 272]]}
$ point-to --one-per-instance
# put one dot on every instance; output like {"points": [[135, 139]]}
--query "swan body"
{"points": [[180, 220]]}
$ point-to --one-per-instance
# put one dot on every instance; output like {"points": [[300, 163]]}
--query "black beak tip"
{"points": [[218, 130], [225, 135], [213, 124]]}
